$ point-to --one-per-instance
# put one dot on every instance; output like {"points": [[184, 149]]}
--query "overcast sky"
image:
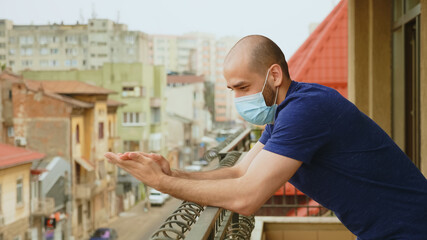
{"points": [[284, 21]]}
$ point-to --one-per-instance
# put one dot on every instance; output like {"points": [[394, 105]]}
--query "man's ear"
{"points": [[277, 74]]}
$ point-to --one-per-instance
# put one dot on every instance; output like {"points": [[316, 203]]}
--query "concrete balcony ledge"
{"points": [[42, 207], [155, 102], [307, 228]]}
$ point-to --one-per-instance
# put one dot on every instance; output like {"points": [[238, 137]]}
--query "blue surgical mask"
{"points": [[254, 109]]}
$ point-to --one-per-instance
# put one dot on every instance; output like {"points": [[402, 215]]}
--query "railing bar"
{"points": [[235, 141], [204, 225]]}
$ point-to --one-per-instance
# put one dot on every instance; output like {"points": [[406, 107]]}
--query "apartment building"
{"points": [[198, 54], [69, 46]]}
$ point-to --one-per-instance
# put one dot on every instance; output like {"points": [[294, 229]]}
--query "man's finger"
{"points": [[112, 157], [136, 156]]}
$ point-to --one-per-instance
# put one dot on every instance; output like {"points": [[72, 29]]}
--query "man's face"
{"points": [[245, 83]]}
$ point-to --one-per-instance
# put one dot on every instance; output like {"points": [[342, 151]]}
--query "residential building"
{"points": [[74, 46], [16, 204], [225, 111], [188, 118], [198, 54], [79, 114], [141, 122]]}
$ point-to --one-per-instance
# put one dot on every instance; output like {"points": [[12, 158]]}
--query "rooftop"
{"points": [[67, 87], [322, 58], [14, 156]]}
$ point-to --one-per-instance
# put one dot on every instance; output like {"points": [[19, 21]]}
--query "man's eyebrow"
{"points": [[238, 84]]}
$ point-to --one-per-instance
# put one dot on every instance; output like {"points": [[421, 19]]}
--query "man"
{"points": [[315, 139]]}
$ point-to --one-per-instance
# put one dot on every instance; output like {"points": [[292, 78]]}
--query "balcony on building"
{"points": [[42, 207]]}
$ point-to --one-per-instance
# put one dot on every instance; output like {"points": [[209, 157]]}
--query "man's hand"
{"points": [[159, 159], [143, 168]]}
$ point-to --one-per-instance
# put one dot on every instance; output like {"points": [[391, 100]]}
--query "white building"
{"points": [[62, 47]]}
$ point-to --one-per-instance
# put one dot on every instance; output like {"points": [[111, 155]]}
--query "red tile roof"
{"points": [[322, 58], [14, 156], [66, 87], [185, 79]]}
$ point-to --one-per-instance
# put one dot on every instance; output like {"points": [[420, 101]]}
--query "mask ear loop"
{"points": [[265, 82]]}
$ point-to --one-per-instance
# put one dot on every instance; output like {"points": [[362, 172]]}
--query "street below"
{"points": [[135, 224]]}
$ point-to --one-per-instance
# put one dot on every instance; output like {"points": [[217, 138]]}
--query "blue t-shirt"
{"points": [[350, 165]]}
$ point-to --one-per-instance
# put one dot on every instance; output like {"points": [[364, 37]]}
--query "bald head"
{"points": [[256, 53]]}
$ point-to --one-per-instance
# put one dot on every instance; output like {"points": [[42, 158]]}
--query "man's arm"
{"points": [[235, 171], [245, 194]]}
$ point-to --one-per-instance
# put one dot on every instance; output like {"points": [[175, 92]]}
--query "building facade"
{"points": [[188, 118], [16, 208], [75, 172], [77, 46]]}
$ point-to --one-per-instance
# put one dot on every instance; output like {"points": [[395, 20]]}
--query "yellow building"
{"points": [[15, 211]]}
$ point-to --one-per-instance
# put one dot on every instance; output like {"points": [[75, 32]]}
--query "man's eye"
{"points": [[244, 87]]}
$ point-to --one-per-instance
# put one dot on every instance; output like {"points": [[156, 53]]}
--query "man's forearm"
{"points": [[206, 192], [220, 173]]}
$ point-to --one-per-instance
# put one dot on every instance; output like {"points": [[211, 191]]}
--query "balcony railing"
{"points": [[42, 207], [194, 222]]}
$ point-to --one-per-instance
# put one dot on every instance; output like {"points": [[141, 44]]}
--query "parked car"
{"points": [[201, 162], [193, 168], [104, 234], [156, 197]]}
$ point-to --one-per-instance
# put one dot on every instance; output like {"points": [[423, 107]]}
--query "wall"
{"points": [[35, 115]]}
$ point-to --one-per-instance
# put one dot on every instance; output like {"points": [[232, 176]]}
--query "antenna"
{"points": [[118, 16], [93, 11]]}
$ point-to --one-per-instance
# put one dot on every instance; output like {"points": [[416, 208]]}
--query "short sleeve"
{"points": [[300, 130], [265, 134]]}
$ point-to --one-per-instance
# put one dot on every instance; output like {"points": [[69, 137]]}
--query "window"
{"points": [[109, 129], [43, 39], [26, 63], [2, 57], [131, 146], [133, 92], [71, 51], [77, 134], [53, 63], [80, 214], [12, 51], [88, 209], [54, 51], [2, 45], [12, 40], [71, 39], [44, 51], [19, 191], [130, 39], [155, 115], [70, 63], [11, 63], [26, 51], [101, 130], [44, 63], [133, 119], [26, 40]]}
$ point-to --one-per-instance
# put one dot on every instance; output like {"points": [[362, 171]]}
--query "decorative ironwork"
{"points": [[191, 221]]}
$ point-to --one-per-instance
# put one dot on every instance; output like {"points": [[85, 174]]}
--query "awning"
{"points": [[84, 163]]}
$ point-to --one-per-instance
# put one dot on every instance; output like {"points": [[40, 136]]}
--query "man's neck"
{"points": [[283, 91]]}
